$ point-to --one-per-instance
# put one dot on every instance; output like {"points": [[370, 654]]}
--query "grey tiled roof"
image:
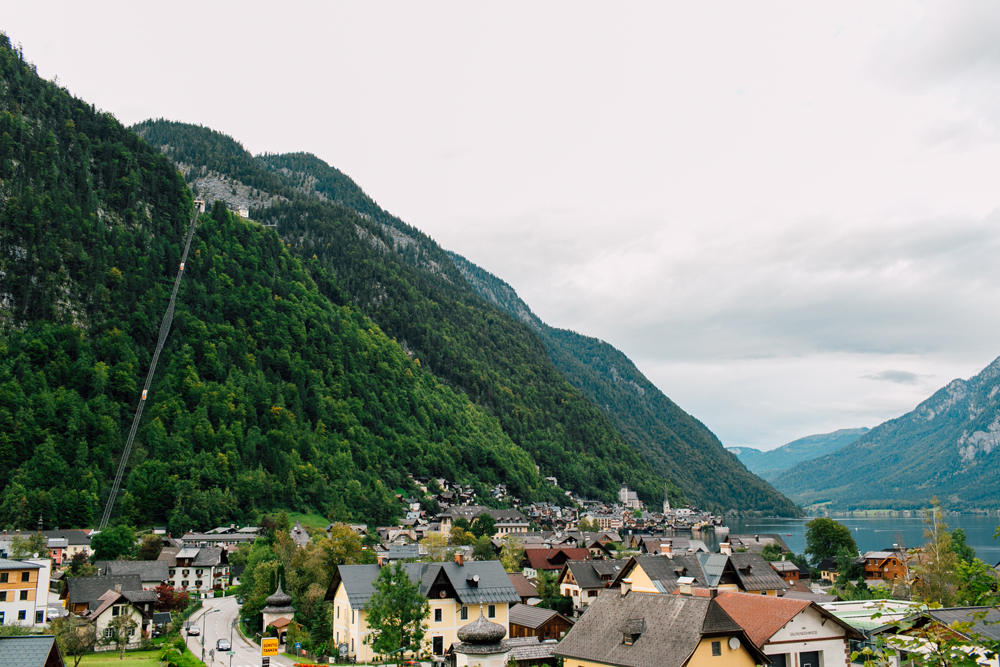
{"points": [[664, 571], [26, 651], [72, 537], [713, 566], [588, 572], [11, 564], [86, 590], [671, 628], [494, 585], [140, 597], [208, 557], [988, 626], [755, 573], [529, 648], [148, 570]]}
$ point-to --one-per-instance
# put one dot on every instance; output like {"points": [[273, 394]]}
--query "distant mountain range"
{"points": [[949, 446], [771, 463]]}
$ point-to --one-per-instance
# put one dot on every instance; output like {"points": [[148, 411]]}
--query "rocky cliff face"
{"points": [[948, 446]]}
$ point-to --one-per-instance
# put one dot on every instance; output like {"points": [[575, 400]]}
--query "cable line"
{"points": [[168, 319]]}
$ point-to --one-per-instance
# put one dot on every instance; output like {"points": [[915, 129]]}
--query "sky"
{"points": [[785, 213]]}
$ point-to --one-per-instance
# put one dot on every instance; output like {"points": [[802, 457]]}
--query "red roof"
{"points": [[553, 559], [760, 615]]}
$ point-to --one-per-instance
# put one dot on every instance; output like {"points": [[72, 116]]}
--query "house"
{"points": [[212, 539], [115, 603], [888, 565], [828, 570], [76, 541], [83, 593], [528, 621], [583, 580], [756, 543], [505, 521], [791, 632], [458, 592], [746, 572], [978, 626], [58, 547], [278, 612], [630, 629], [202, 568], [35, 651], [152, 573], [24, 591], [787, 570], [551, 559]]}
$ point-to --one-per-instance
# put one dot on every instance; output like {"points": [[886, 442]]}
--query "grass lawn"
{"points": [[309, 520], [132, 659]]}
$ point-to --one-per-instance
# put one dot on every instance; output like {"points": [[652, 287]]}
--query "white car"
{"points": [[193, 631]]}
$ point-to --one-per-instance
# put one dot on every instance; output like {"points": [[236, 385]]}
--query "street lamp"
{"points": [[203, 632]]}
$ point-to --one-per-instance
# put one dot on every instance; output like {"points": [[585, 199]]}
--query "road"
{"points": [[217, 618]]}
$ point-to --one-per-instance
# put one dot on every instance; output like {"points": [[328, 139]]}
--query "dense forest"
{"points": [[674, 442], [361, 256], [268, 393]]}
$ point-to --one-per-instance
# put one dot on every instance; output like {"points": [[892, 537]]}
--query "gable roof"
{"points": [[13, 564], [587, 573], [524, 587], [664, 571], [755, 573], [29, 651], [148, 570], [760, 615], [532, 617], [493, 585], [72, 537], [87, 590], [669, 629], [553, 559]]}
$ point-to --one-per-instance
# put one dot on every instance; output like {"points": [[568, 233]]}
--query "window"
{"points": [[338, 611], [3, 596], [438, 617], [184, 583], [1, 618], [491, 611], [438, 648], [464, 614], [24, 595], [352, 644], [39, 617], [716, 648], [25, 576], [22, 614], [109, 633], [3, 577], [591, 594], [115, 610], [352, 620]]}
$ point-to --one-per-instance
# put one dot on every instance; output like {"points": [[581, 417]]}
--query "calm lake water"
{"points": [[875, 532]]}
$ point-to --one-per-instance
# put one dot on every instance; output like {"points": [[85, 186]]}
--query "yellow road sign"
{"points": [[269, 646]]}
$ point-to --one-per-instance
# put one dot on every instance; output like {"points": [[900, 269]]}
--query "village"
{"points": [[580, 585]]}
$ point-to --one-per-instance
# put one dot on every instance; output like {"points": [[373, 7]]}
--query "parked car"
{"points": [[193, 631], [223, 645]]}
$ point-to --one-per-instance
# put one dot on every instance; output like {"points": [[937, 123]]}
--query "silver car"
{"points": [[223, 645]]}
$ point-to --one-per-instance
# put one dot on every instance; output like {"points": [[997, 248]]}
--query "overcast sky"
{"points": [[784, 213]]}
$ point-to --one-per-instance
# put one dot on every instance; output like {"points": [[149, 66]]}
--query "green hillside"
{"points": [[770, 464], [363, 257], [948, 446], [268, 394], [675, 443]]}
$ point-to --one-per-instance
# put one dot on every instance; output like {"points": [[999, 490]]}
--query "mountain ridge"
{"points": [[949, 446], [768, 464]]}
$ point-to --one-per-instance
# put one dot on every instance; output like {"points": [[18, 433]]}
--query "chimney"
{"points": [[459, 558], [118, 588], [381, 560], [713, 592], [726, 548], [667, 548], [625, 587]]}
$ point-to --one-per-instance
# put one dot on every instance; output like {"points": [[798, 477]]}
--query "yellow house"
{"points": [[672, 573], [458, 593], [624, 628]]}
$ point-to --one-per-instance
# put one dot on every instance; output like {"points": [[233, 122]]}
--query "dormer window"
{"points": [[632, 631]]}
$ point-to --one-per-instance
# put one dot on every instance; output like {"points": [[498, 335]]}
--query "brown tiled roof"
{"points": [[760, 615], [553, 559], [524, 587]]}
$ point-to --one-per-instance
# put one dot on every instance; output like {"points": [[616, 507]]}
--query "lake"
{"points": [[874, 533]]}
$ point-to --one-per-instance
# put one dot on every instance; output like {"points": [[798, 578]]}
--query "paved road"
{"points": [[218, 625]]}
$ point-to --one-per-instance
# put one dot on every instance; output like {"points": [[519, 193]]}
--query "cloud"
{"points": [[898, 377]]}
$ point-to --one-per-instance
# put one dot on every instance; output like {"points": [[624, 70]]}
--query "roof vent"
{"points": [[473, 581], [633, 629]]}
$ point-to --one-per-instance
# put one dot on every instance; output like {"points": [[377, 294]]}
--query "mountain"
{"points": [[768, 464], [948, 446], [268, 394], [675, 443]]}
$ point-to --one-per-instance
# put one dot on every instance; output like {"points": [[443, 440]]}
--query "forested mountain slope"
{"points": [[268, 394], [948, 446], [771, 463], [361, 256], [675, 442]]}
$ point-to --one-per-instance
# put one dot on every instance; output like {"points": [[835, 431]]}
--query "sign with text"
{"points": [[269, 646]]}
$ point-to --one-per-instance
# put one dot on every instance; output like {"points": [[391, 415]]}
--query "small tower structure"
{"points": [[481, 644], [278, 611]]}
